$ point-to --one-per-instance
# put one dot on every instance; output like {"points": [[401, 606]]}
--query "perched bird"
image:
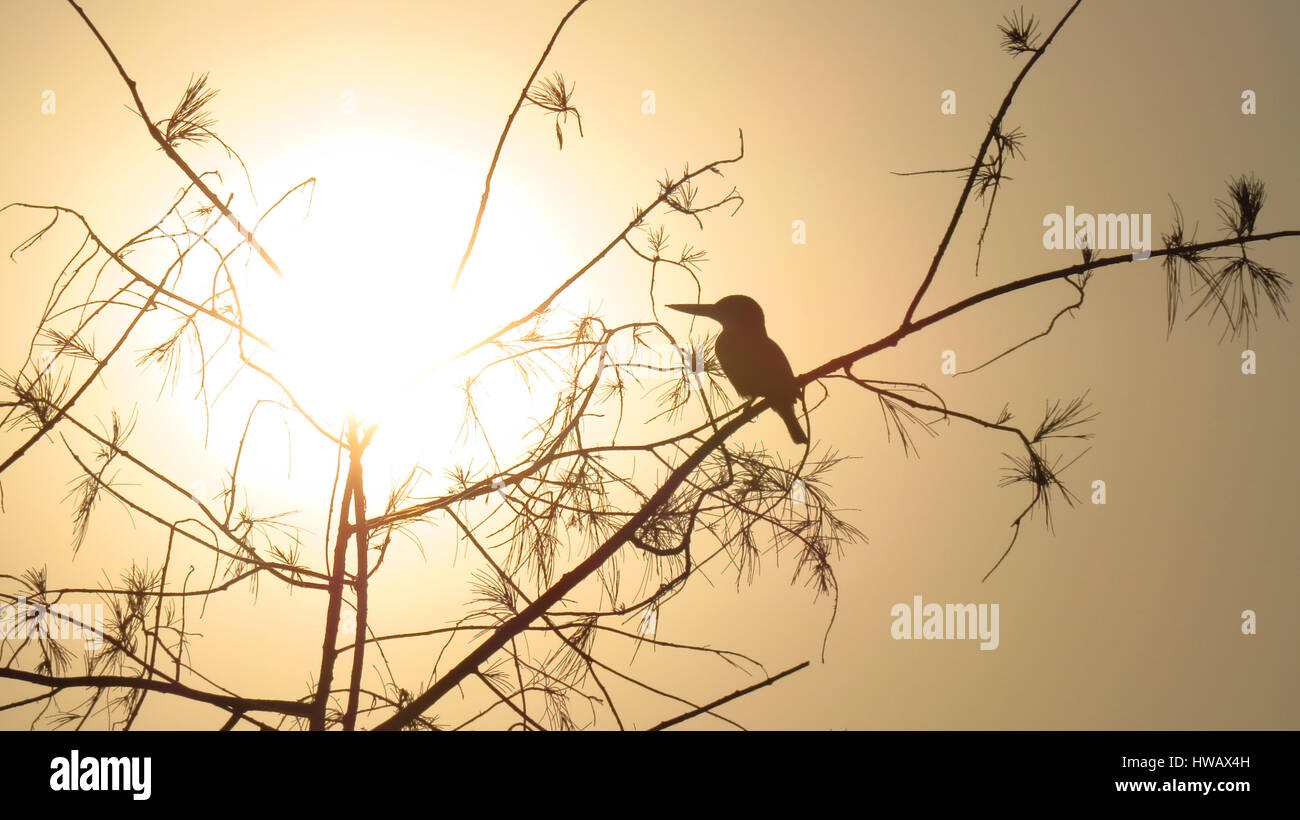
{"points": [[753, 362]]}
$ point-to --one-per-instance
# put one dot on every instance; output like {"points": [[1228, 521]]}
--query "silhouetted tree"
{"points": [[623, 494]]}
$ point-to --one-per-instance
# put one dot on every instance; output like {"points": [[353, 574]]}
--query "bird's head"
{"points": [[733, 312]]}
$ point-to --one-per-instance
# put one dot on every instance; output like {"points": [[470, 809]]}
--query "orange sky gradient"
{"points": [[1127, 616]]}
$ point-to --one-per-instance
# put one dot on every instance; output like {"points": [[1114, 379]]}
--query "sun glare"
{"points": [[365, 312]]}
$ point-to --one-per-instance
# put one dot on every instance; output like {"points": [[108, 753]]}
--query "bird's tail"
{"points": [[792, 423]]}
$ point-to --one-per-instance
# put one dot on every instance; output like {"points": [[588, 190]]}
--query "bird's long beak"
{"points": [[708, 311]]}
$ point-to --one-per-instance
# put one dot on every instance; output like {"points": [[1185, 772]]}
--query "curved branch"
{"points": [[285, 707], [171, 152], [994, 128], [496, 155]]}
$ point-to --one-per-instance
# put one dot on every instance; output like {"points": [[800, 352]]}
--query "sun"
{"points": [[365, 313]]}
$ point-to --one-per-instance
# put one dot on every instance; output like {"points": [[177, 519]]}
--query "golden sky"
{"points": [[1129, 615]]}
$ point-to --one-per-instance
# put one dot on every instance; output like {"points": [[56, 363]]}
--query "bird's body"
{"points": [[754, 364]]}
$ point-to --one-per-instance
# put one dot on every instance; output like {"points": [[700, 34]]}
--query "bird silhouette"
{"points": [[755, 365]]}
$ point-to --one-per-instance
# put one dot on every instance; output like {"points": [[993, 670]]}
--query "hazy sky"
{"points": [[1129, 615]]}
